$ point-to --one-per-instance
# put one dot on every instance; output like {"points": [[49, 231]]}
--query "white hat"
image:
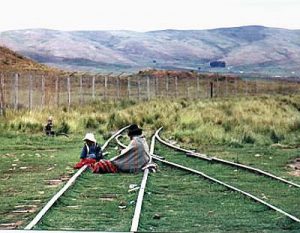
{"points": [[90, 137]]}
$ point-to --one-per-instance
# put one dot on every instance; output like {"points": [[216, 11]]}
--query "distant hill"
{"points": [[10, 60], [244, 49]]}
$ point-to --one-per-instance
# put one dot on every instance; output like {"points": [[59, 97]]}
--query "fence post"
{"points": [[105, 87], [211, 89], [167, 85], [69, 92], [118, 86], [217, 89], [30, 92], [156, 86], [139, 87], [187, 89], [198, 88], [57, 90], [93, 87], [148, 88], [128, 87], [226, 86], [176, 86], [43, 91], [2, 101], [16, 91], [80, 89]]}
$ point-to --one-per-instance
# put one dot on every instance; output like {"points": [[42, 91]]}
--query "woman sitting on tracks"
{"points": [[91, 151], [132, 159]]}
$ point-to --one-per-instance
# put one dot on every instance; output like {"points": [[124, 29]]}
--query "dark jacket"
{"points": [[93, 152]]}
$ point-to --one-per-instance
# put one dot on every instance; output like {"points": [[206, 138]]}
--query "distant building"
{"points": [[215, 64]]}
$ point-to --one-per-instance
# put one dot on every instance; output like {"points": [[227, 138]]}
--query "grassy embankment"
{"points": [[243, 129], [236, 121]]}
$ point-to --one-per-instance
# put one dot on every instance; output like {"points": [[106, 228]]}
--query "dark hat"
{"points": [[134, 130]]}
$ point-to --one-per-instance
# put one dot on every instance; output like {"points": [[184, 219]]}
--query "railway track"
{"points": [[222, 161], [174, 184], [66, 187], [218, 181]]}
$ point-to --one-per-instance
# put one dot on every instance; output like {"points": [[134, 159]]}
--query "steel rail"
{"points": [[227, 186], [124, 146], [70, 182], [191, 153], [139, 202], [119, 142]]}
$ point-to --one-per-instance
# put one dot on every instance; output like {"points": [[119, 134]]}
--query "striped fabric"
{"points": [[83, 162], [134, 157], [104, 166]]}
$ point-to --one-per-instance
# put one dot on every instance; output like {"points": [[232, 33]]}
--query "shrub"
{"points": [[91, 123], [295, 126], [116, 120], [247, 138], [275, 137], [63, 128], [235, 143]]}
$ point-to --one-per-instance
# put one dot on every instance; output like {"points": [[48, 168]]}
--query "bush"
{"points": [[28, 127], [116, 120], [63, 128], [295, 126], [247, 138], [235, 143], [91, 123], [275, 137]]}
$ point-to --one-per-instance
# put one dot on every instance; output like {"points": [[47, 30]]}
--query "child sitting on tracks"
{"points": [[91, 151], [132, 159]]}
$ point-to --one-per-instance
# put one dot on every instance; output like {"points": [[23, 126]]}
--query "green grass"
{"points": [[176, 201], [95, 202], [236, 121], [250, 130], [27, 165], [274, 192]]}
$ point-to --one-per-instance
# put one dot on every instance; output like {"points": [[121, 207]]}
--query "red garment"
{"points": [[83, 162], [104, 166]]}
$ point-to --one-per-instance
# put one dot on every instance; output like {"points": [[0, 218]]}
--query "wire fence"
{"points": [[39, 90]]}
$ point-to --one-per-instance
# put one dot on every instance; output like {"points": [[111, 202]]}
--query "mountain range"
{"points": [[247, 49]]}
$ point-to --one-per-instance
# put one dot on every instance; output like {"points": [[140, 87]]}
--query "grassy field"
{"points": [[259, 131]]}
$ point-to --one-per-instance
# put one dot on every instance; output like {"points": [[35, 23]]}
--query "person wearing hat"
{"points": [[132, 159], [91, 151]]}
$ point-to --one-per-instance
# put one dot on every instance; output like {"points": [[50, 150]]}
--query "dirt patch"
{"points": [[53, 182], [295, 166], [25, 209], [108, 197], [11, 226]]}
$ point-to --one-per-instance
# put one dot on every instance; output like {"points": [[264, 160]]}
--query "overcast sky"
{"points": [[146, 15]]}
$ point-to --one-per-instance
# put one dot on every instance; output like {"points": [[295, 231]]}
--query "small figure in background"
{"points": [[48, 127], [91, 151]]}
